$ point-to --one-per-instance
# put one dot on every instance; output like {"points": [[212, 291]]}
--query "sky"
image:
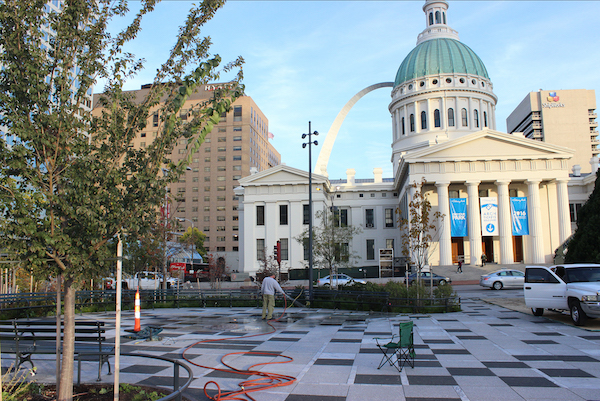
{"points": [[305, 59]]}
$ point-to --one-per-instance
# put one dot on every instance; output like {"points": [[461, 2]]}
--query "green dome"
{"points": [[439, 56]]}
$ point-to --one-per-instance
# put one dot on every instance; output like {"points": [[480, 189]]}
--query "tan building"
{"points": [[204, 196], [563, 117]]}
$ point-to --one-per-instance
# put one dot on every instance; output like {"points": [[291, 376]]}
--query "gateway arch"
{"points": [[323, 160]]}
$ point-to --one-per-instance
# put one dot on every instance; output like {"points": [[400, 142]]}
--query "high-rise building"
{"points": [[204, 196], [560, 117]]}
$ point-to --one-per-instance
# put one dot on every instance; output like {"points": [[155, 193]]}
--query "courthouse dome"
{"points": [[440, 56]]}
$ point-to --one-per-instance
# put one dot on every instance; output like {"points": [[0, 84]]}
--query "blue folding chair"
{"points": [[403, 349]]}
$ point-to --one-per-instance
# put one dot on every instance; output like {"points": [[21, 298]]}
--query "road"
{"points": [[476, 291]]}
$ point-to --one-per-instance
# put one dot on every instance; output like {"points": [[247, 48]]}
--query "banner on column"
{"points": [[520, 220], [489, 216], [458, 217]]}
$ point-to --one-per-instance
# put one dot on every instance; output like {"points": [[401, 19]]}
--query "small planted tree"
{"points": [[331, 242], [418, 228]]}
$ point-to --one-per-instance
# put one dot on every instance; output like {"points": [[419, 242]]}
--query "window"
{"points": [[423, 120], [305, 214], [476, 118], [451, 117], [221, 158], [221, 178], [237, 177], [342, 252], [220, 218], [222, 139], [155, 120], [237, 158], [389, 243], [389, 218], [235, 249], [235, 238], [260, 215], [222, 129], [369, 218], [207, 199], [207, 208], [438, 18], [221, 149], [221, 168], [485, 124], [306, 249], [220, 249], [283, 215], [237, 113], [206, 160], [220, 188], [237, 129], [207, 149], [237, 138], [340, 217], [436, 118], [260, 249], [220, 208], [284, 249], [206, 229], [237, 168], [235, 228], [574, 209], [220, 239], [430, 18], [220, 198], [370, 249], [464, 117], [403, 127], [220, 228], [207, 179], [412, 122], [206, 218], [236, 148], [539, 275]]}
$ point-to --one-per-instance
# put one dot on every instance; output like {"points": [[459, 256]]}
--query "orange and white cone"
{"points": [[137, 327]]}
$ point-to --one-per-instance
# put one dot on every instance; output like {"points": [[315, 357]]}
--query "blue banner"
{"points": [[458, 217], [518, 211]]}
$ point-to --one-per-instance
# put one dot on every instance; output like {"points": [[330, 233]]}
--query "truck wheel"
{"points": [[537, 311], [577, 314], [497, 285]]}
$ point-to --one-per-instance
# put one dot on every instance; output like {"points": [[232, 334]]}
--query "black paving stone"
{"points": [[471, 337], [144, 369], [438, 341], [506, 365], [528, 382], [451, 351], [346, 340], [566, 373], [301, 397], [553, 334], [431, 380], [335, 362], [378, 379], [470, 372], [533, 342]]}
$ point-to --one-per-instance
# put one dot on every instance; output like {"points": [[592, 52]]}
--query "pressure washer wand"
{"points": [[295, 301]]}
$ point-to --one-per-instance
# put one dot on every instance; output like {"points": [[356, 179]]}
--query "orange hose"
{"points": [[266, 381]]}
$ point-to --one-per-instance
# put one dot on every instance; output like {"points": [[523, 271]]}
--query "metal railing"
{"points": [[38, 304]]}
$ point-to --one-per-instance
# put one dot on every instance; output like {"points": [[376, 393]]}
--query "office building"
{"points": [[561, 117]]}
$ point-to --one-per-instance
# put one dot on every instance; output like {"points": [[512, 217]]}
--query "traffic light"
{"points": [[277, 251]]}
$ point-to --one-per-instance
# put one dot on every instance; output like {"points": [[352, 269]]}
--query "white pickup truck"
{"points": [[574, 288], [145, 281]]}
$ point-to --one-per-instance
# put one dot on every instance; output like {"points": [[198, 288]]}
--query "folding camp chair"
{"points": [[403, 350]]}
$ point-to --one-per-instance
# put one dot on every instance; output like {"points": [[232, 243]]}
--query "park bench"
{"points": [[25, 338]]}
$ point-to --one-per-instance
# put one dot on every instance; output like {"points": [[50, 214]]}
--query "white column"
{"points": [[536, 233], [504, 224], [445, 235], [474, 220], [564, 218]]}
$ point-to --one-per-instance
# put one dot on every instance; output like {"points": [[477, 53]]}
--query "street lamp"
{"points": [[310, 214], [332, 249]]}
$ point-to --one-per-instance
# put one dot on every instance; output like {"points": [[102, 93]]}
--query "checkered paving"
{"points": [[483, 353]]}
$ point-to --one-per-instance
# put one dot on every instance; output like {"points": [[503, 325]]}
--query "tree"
{"points": [[331, 242], [195, 237], [71, 182], [217, 269], [418, 228], [584, 246]]}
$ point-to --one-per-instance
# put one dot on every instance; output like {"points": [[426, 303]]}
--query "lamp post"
{"points": [[333, 224], [310, 213]]}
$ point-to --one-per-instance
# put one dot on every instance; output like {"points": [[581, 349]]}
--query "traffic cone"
{"points": [[137, 327]]}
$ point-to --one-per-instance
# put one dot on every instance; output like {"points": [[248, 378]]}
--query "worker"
{"points": [[269, 286]]}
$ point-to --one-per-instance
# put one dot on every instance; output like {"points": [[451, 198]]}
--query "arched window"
{"points": [[438, 18], [430, 18], [485, 119], [444, 15], [465, 118], [476, 116], [436, 118], [423, 120], [451, 117], [412, 123], [403, 128]]}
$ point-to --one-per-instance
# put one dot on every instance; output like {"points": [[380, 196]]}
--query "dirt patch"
{"points": [[102, 392]]}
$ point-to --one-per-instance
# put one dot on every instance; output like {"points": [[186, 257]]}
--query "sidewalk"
{"points": [[484, 353]]}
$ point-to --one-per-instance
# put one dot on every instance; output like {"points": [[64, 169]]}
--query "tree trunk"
{"points": [[68, 344]]}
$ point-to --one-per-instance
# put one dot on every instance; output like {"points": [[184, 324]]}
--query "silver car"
{"points": [[339, 279], [503, 278]]}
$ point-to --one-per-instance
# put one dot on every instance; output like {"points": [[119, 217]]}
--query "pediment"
{"points": [[489, 145], [281, 175]]}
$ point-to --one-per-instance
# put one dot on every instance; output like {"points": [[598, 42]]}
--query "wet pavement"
{"points": [[486, 352]]}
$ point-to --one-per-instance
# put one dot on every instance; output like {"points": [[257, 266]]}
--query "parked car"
{"points": [[340, 279], [504, 278], [426, 278]]}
